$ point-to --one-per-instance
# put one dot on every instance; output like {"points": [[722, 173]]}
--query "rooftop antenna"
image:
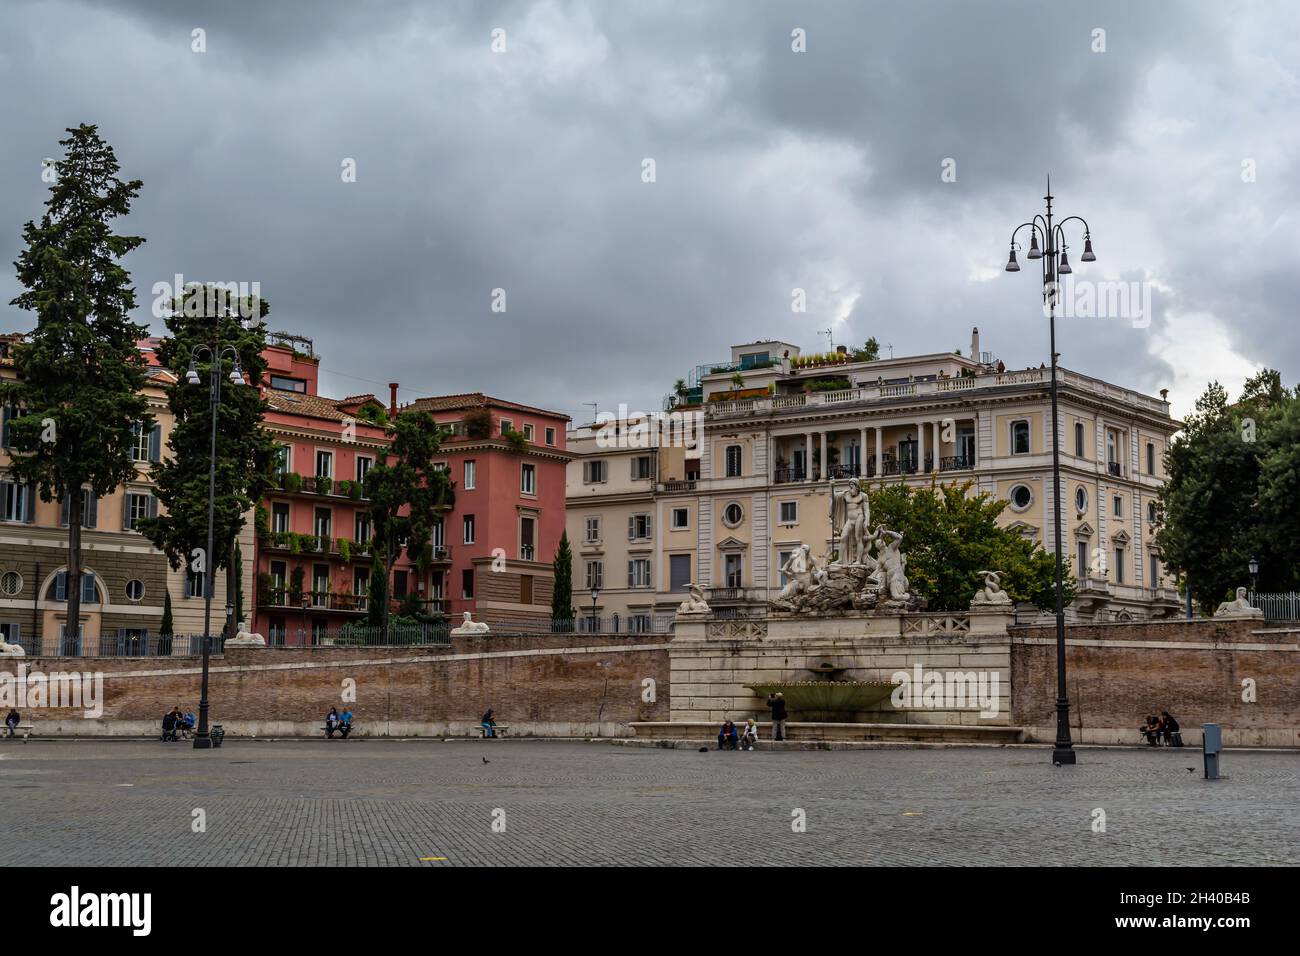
{"points": [[595, 410], [891, 349], [829, 338]]}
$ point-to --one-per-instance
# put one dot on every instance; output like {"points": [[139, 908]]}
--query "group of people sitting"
{"points": [[177, 724], [1162, 729], [336, 723], [729, 738]]}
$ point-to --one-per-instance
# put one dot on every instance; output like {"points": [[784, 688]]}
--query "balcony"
{"points": [[316, 600], [956, 463], [312, 487], [1112, 468], [310, 545], [676, 486]]}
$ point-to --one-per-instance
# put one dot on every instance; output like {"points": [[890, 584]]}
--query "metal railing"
{"points": [[119, 645], [1278, 606]]}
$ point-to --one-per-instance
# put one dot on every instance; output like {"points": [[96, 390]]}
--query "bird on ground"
{"points": [[485, 760]]}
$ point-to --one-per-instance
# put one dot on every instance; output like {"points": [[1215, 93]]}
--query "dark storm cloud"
{"points": [[775, 170]]}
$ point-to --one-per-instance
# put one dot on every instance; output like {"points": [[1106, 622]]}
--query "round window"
{"points": [[733, 514], [135, 589], [1080, 500], [1021, 497], [11, 583]]}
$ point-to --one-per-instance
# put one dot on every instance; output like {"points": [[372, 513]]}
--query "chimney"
{"points": [[975, 343], [392, 399]]}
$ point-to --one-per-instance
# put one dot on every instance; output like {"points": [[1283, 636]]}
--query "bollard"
{"points": [[1211, 744]]}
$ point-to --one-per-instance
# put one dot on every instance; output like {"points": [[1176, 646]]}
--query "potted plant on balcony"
{"points": [[291, 481], [324, 484], [517, 440], [478, 423], [345, 549]]}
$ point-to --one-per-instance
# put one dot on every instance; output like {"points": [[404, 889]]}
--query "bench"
{"points": [[23, 730], [338, 729], [500, 729]]}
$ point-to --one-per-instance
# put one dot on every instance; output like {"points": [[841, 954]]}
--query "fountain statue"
{"points": [[695, 604], [828, 698], [991, 593]]}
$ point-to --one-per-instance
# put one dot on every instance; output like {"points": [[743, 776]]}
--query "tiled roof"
{"points": [[296, 403], [358, 399], [468, 400]]}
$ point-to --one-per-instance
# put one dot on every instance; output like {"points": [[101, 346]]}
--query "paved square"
{"points": [[404, 802]]}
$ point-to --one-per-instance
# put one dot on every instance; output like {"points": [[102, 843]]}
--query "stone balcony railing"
{"points": [[867, 394]]}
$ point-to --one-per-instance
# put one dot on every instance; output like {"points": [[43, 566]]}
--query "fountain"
{"points": [[828, 699]]}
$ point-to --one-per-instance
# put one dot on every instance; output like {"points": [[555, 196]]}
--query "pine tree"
{"points": [[78, 397], [207, 318], [407, 494], [165, 626], [562, 612]]}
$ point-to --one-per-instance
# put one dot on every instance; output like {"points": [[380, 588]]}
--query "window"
{"points": [[595, 575], [733, 570], [1078, 440], [733, 461], [469, 475], [527, 538], [1080, 500], [1151, 512], [789, 512], [733, 514], [528, 479], [87, 587], [1119, 565], [16, 502], [643, 466], [525, 589], [1021, 497], [550, 436], [1020, 438], [145, 442], [593, 529], [467, 583], [593, 472], [638, 527], [137, 505], [135, 589], [1117, 507], [362, 527], [638, 573], [528, 436], [364, 464], [11, 583], [681, 518], [781, 558], [286, 384], [1151, 458], [1112, 460], [1081, 570], [399, 584], [468, 528], [279, 572], [1155, 570], [193, 583], [507, 425], [282, 459], [439, 536], [279, 517], [321, 525], [89, 509], [324, 464], [639, 624], [679, 571], [361, 583]]}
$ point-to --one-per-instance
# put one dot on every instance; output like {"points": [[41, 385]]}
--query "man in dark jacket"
{"points": [[777, 703]]}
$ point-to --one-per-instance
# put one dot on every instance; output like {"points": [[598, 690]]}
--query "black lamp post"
{"points": [[1253, 566], [595, 593], [1054, 264], [202, 740]]}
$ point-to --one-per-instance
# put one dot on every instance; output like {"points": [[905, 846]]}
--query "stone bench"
{"points": [[500, 729], [804, 731], [22, 730]]}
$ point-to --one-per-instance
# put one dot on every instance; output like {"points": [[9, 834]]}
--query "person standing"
{"points": [[777, 703]]}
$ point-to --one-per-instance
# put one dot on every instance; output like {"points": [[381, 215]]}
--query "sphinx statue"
{"points": [[470, 626], [1239, 608]]}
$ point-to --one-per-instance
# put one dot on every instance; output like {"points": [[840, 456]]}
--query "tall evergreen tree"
{"points": [[78, 397], [209, 317], [407, 494], [562, 590]]}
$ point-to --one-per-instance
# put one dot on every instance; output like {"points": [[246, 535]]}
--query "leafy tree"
{"points": [[562, 590], [209, 317], [406, 492], [78, 396], [869, 352], [949, 536], [1233, 476]]}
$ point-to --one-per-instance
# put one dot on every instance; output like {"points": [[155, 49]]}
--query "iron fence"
{"points": [[143, 644], [1279, 606]]}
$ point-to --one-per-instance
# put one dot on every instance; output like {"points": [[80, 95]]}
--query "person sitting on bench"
{"points": [[727, 737], [331, 723], [1173, 735], [489, 724], [169, 724], [1151, 730], [12, 721], [345, 722], [750, 736]]}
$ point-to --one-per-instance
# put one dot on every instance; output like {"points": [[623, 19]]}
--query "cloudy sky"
{"points": [[821, 170]]}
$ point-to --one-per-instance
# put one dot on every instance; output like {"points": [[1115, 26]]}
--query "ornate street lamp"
{"points": [[216, 354], [1052, 254], [1253, 567], [595, 593]]}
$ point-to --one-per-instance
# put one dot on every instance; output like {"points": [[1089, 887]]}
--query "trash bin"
{"points": [[217, 734]]}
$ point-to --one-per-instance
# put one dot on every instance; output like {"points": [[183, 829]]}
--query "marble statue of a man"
{"points": [[852, 515]]}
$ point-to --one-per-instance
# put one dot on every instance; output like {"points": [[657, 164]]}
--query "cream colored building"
{"points": [[730, 486]]}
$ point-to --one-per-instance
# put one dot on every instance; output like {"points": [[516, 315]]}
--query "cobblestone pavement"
{"points": [[404, 802]]}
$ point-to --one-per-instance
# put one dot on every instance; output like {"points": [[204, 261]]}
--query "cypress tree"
{"points": [[562, 613]]}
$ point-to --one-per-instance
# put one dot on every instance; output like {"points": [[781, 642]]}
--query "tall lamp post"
{"points": [[595, 593], [1253, 567], [1055, 264], [216, 353]]}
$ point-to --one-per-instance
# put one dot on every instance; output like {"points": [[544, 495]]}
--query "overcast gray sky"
{"points": [[774, 170]]}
